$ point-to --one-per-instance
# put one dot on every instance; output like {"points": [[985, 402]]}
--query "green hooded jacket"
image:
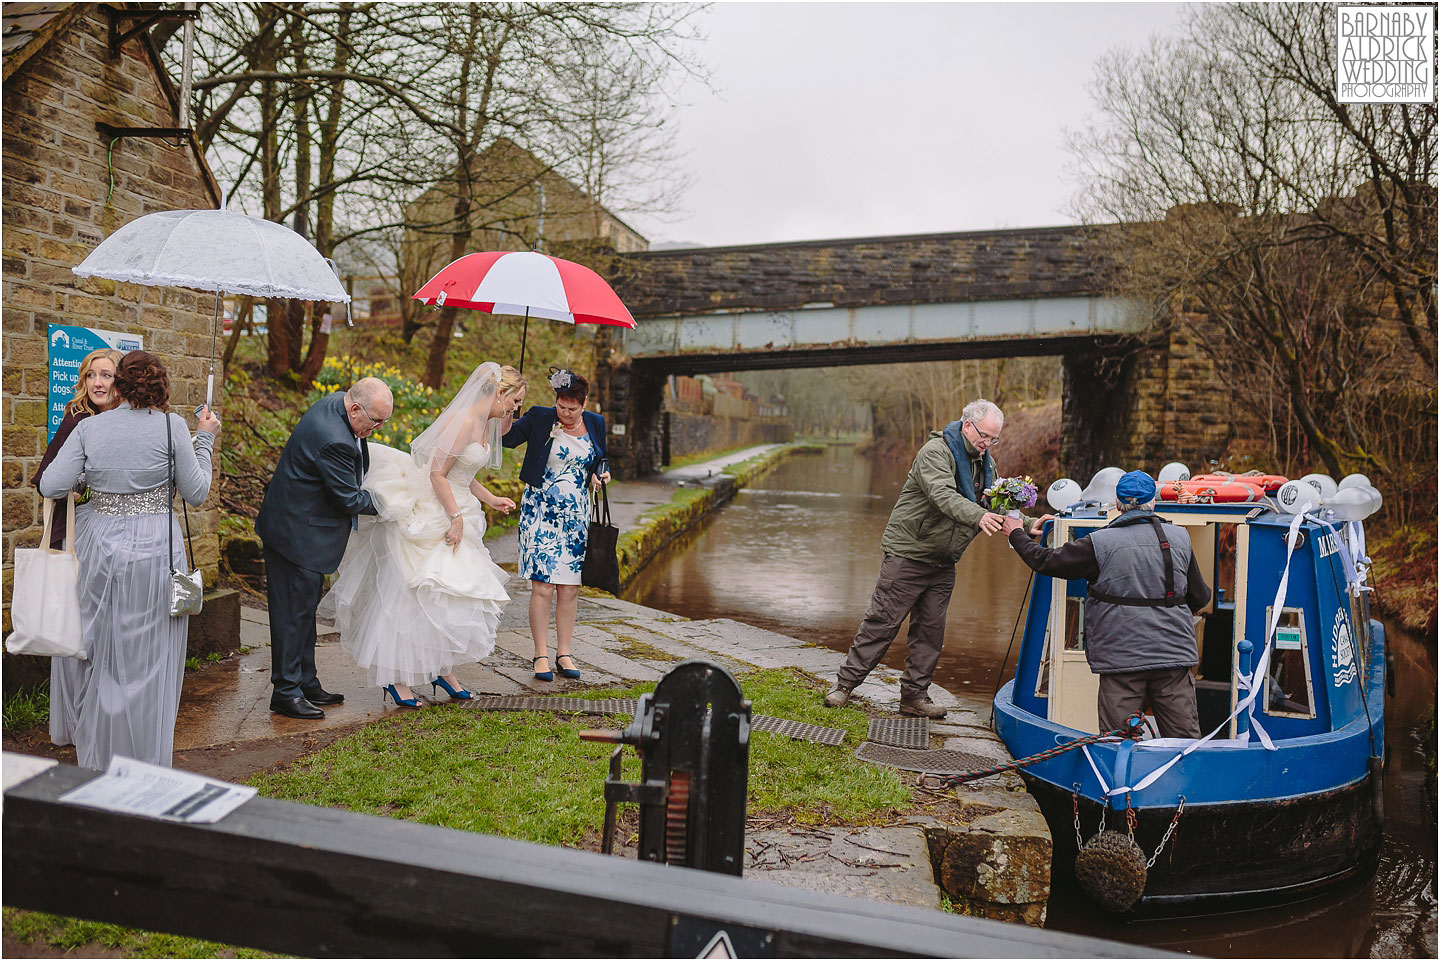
{"points": [[932, 522]]}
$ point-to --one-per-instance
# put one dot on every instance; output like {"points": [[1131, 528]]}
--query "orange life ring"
{"points": [[1210, 489], [1269, 483]]}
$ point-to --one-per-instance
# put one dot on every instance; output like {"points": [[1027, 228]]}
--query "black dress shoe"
{"points": [[318, 695], [295, 707]]}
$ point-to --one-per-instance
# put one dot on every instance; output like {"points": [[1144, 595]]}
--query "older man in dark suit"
{"points": [[313, 502]]}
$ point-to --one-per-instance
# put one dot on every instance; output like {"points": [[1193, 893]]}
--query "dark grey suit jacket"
{"points": [[315, 495]]}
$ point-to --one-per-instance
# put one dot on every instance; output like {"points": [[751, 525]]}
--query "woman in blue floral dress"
{"points": [[564, 455]]}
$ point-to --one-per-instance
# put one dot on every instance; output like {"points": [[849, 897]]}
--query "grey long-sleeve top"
{"points": [[122, 451]]}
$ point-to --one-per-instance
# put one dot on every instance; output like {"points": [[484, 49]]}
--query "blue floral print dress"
{"points": [[555, 519]]}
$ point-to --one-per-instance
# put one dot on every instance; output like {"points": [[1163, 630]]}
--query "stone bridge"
{"points": [[1132, 396]]}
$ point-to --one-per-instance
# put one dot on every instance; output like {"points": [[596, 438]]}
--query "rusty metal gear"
{"points": [[677, 817]]}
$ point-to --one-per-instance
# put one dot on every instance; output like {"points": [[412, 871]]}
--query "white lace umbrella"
{"points": [[215, 250]]}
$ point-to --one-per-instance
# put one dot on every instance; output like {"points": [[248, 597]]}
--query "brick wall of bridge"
{"points": [[1138, 405], [1144, 404]]}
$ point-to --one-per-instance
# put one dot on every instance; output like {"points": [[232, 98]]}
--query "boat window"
{"points": [[1224, 585], [1074, 623], [1288, 690], [1042, 678]]}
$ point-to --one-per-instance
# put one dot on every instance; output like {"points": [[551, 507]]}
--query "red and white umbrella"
{"points": [[528, 283]]}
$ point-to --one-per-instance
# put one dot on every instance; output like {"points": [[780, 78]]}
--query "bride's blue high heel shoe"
{"points": [[460, 695], [401, 701]]}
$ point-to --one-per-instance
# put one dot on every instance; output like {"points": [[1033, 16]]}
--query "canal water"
{"points": [[798, 553]]}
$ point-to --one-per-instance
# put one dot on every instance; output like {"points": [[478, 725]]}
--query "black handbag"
{"points": [[602, 566]]}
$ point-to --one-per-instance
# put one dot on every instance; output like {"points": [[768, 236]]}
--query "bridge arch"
{"points": [[1132, 395]]}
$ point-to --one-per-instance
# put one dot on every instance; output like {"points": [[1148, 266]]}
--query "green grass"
{"points": [[527, 775], [27, 708], [194, 663], [68, 934]]}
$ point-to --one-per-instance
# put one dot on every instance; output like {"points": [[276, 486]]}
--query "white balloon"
{"points": [[1323, 483], [1375, 499], [1351, 504], [1172, 472], [1102, 486], [1297, 497], [1063, 493], [1354, 480]]}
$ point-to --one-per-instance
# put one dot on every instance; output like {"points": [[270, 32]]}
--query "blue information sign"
{"points": [[68, 347]]}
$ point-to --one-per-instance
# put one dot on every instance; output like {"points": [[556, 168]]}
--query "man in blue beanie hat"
{"points": [[1139, 631]]}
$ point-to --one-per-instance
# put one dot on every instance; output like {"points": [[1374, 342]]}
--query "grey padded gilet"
{"points": [[1119, 638]]}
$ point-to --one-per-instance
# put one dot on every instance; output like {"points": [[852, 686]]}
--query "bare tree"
{"points": [[350, 111], [1294, 235]]}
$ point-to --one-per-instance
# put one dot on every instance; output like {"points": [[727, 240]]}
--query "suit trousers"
{"points": [[905, 588], [1172, 697], [294, 594]]}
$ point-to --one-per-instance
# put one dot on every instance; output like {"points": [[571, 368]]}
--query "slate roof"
{"points": [[27, 26]]}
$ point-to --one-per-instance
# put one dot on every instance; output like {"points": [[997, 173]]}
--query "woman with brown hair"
{"points": [[133, 458], [94, 393], [564, 455]]}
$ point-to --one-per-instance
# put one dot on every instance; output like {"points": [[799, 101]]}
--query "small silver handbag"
{"points": [[187, 591]]}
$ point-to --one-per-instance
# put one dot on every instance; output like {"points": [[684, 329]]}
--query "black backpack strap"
{"points": [[1169, 600]]}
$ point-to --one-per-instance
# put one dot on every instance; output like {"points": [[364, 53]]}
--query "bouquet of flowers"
{"points": [[1008, 494]]}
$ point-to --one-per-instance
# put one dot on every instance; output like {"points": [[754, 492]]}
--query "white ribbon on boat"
{"points": [[1248, 684], [1360, 560]]}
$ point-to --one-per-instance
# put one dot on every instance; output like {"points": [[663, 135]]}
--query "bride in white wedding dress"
{"points": [[417, 592]]}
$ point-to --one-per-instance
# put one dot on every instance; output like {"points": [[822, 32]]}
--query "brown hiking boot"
{"points": [[837, 697], [923, 707]]}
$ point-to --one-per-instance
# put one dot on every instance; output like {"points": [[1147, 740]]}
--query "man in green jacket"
{"points": [[936, 516]]}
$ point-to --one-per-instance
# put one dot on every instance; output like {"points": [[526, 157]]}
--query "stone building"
{"points": [[521, 201], [66, 187]]}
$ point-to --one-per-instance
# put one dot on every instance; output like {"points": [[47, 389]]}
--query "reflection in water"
{"points": [[799, 553]]}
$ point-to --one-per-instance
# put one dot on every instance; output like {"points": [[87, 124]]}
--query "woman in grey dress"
{"points": [[131, 694], [94, 394]]}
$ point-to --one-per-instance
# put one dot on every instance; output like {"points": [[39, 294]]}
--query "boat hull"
{"points": [[1233, 855]]}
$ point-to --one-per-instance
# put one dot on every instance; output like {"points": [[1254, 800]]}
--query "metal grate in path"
{"points": [[907, 732], [930, 762], [774, 725]]}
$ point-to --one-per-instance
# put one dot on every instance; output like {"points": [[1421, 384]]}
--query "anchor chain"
{"points": [[1174, 822]]}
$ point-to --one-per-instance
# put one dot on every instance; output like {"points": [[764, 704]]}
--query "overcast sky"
{"points": [[859, 119]]}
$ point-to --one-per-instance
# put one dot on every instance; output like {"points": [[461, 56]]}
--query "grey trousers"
{"points": [[1172, 698], [905, 588]]}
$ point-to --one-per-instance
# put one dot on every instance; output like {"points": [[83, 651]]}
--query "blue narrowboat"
{"points": [[1284, 795]]}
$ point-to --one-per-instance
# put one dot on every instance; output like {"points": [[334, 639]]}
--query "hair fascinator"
{"points": [[560, 379]]}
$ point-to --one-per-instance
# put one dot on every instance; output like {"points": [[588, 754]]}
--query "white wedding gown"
{"points": [[407, 605]]}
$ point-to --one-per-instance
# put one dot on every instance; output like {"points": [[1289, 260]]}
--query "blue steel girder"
{"points": [[873, 329]]}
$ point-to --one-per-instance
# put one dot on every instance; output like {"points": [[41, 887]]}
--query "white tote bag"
{"points": [[45, 609]]}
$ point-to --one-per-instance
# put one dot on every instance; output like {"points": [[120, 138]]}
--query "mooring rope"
{"points": [[1129, 730]]}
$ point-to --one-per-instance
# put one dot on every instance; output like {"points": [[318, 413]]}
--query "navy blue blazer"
{"points": [[533, 430], [312, 500]]}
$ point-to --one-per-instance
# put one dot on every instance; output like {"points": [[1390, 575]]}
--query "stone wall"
{"points": [[701, 433], [1146, 403], [57, 206]]}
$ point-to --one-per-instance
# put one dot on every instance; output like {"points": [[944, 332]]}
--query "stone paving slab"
{"points": [[889, 864]]}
